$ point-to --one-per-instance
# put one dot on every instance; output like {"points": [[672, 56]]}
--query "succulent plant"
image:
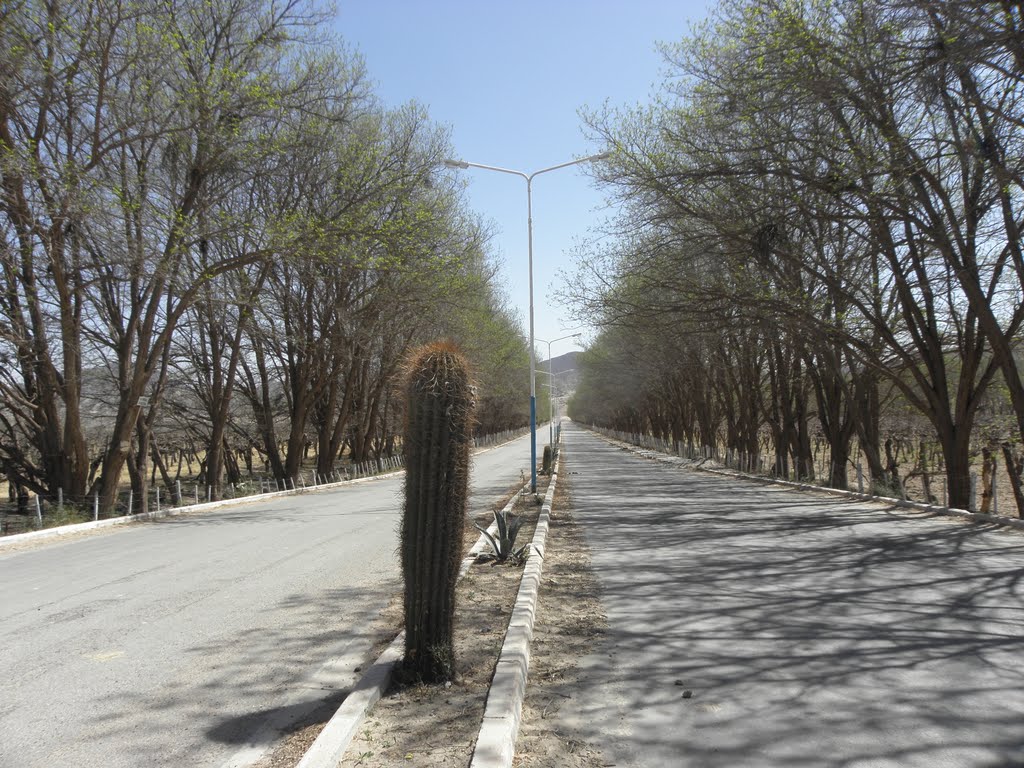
{"points": [[503, 540]]}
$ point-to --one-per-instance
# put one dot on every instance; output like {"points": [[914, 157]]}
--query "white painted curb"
{"points": [[496, 744], [330, 745]]}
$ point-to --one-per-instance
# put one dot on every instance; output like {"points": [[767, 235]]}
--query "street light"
{"points": [[551, 387], [529, 177], [551, 392]]}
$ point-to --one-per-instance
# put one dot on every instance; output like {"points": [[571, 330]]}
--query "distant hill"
{"points": [[566, 362], [563, 364]]}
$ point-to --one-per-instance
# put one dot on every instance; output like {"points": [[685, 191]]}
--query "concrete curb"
{"points": [[918, 506], [330, 745], [65, 530], [496, 743]]}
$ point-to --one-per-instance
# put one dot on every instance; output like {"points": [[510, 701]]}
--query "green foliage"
{"points": [[475, 315], [439, 403], [816, 204], [200, 191]]}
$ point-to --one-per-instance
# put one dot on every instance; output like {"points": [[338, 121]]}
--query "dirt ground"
{"points": [[438, 725], [569, 624], [426, 725]]}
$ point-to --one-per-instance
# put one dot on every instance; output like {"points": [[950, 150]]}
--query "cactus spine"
{"points": [[439, 427]]}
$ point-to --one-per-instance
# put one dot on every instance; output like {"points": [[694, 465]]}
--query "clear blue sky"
{"points": [[509, 77]]}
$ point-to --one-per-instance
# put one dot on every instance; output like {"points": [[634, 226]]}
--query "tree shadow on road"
{"points": [[248, 728], [260, 682], [754, 626]]}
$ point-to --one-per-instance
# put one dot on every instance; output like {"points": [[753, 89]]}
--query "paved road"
{"points": [[811, 631], [190, 641]]}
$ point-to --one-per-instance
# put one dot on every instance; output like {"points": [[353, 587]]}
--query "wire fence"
{"points": [[31, 512], [497, 438]]}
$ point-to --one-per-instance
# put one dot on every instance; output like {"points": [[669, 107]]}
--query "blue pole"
{"points": [[533, 443]]}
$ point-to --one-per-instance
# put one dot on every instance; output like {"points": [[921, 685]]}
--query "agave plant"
{"points": [[503, 541]]}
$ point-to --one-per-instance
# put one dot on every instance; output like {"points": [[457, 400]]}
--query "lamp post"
{"points": [[551, 386], [529, 177], [551, 391]]}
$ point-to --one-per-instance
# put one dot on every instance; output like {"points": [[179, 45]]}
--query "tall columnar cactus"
{"points": [[438, 435]]}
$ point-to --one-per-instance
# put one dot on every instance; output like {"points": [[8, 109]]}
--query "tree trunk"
{"points": [[1014, 465], [139, 468], [956, 454], [926, 477], [159, 464], [988, 479]]}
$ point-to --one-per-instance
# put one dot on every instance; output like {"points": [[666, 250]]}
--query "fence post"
{"points": [[972, 499], [181, 501], [96, 506], [131, 499], [39, 512], [860, 479], [158, 498], [196, 492], [60, 500]]}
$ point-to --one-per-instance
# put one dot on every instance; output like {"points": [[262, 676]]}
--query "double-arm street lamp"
{"points": [[551, 391], [529, 177]]}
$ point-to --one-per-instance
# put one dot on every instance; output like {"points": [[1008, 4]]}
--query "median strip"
{"points": [[338, 734], [495, 746]]}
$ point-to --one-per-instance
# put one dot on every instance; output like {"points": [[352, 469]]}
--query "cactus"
{"points": [[438, 435], [545, 467]]}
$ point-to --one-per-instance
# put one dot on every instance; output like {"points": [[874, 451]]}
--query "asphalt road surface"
{"points": [[193, 641], [809, 631]]}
